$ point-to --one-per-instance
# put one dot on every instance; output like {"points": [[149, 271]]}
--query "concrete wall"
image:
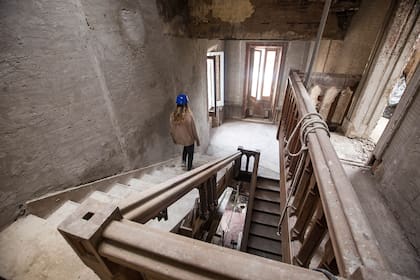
{"points": [[261, 19], [350, 56], [399, 175], [86, 91], [235, 56]]}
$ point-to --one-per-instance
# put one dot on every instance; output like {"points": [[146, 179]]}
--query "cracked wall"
{"points": [[86, 90]]}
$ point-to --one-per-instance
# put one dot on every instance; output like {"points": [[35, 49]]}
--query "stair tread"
{"points": [[265, 219], [265, 206], [264, 231], [62, 212], [104, 197], [121, 191], [264, 254], [267, 195], [151, 179], [268, 187], [264, 244], [139, 184]]}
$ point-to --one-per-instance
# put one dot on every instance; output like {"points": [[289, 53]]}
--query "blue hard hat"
{"points": [[182, 99]]}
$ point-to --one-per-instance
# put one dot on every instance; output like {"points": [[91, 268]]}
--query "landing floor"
{"points": [[354, 154]]}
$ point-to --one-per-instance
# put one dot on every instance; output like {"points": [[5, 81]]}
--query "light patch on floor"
{"points": [[226, 138]]}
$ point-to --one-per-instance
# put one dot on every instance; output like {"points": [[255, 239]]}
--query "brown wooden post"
{"points": [[313, 239], [83, 231], [306, 211]]}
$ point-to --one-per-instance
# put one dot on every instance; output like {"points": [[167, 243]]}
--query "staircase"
{"points": [[262, 238], [32, 248]]}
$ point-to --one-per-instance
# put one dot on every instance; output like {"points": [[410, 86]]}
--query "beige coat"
{"points": [[184, 133]]}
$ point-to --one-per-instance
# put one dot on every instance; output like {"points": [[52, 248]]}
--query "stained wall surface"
{"points": [[399, 175], [86, 91], [350, 56]]}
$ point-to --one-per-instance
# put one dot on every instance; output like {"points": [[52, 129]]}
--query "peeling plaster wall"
{"points": [[399, 175], [258, 19], [350, 56], [86, 91]]}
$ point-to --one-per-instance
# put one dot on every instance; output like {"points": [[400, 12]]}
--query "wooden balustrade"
{"points": [[324, 225]]}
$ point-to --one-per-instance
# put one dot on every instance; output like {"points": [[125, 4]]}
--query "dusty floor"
{"points": [[400, 255], [357, 151], [226, 138], [354, 153]]}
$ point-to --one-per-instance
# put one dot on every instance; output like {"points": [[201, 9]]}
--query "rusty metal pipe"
{"points": [[147, 250]]}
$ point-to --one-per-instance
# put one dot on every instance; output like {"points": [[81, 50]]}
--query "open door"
{"points": [[264, 65]]}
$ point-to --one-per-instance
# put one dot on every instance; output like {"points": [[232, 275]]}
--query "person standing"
{"points": [[183, 130]]}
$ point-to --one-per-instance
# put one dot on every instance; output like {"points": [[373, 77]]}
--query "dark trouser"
{"points": [[188, 150]]}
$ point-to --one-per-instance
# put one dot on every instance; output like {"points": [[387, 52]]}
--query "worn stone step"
{"points": [[139, 185], [264, 231], [32, 248], [62, 212], [264, 254], [121, 191], [266, 206], [151, 179], [267, 195], [104, 197], [176, 212]]}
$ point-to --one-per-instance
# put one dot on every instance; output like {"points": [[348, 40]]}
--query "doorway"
{"points": [[264, 65], [215, 86]]}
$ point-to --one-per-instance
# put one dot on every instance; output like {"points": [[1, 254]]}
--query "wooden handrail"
{"points": [[150, 207], [168, 256], [192, 177], [352, 239]]}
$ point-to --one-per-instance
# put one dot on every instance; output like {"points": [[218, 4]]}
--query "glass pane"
{"points": [[269, 73], [255, 70], [261, 74], [210, 83]]}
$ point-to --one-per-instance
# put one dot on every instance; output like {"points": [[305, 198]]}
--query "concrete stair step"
{"points": [[176, 212], [166, 173], [121, 191], [32, 248], [62, 212], [139, 185], [151, 179], [104, 197]]}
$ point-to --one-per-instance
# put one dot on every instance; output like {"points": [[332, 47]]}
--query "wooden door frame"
{"points": [[248, 62]]}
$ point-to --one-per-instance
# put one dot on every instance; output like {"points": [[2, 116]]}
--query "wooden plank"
{"points": [[267, 207], [265, 219], [264, 244], [268, 185], [267, 195], [264, 254], [264, 231]]}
